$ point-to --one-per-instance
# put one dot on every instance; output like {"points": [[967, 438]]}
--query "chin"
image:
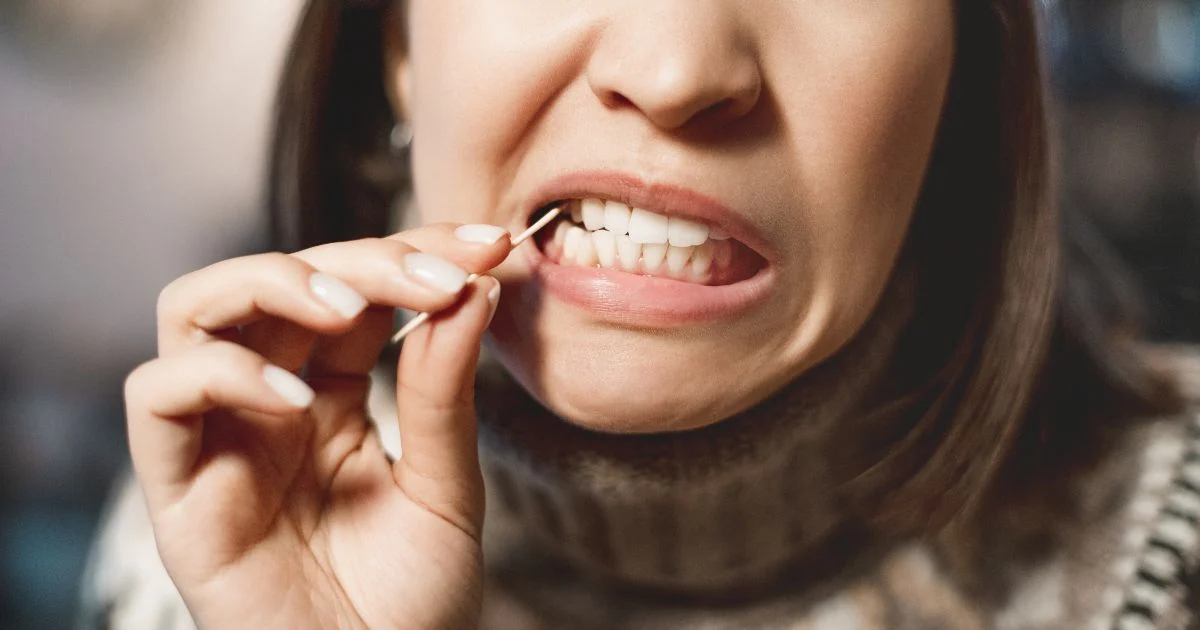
{"points": [[620, 392], [611, 410]]}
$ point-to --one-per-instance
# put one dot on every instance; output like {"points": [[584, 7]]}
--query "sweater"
{"points": [[711, 529]]}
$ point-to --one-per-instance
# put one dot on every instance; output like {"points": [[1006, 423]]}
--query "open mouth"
{"points": [[606, 234]]}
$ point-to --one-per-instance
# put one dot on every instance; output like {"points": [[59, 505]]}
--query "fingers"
{"points": [[474, 247], [167, 398], [356, 352], [471, 248], [284, 302], [435, 402], [390, 272], [207, 303]]}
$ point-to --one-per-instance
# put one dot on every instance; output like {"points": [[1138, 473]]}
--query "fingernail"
{"points": [[337, 294], [493, 297], [435, 273], [479, 233], [289, 386]]}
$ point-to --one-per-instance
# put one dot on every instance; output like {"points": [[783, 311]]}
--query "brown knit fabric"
{"points": [[742, 526], [719, 510], [717, 530]]}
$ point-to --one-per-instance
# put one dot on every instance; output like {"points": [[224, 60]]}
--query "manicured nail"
{"points": [[289, 386], [493, 297], [435, 273], [479, 233], [337, 294]]}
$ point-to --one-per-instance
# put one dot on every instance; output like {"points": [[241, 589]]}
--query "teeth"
{"points": [[605, 244], [702, 260], [653, 256], [560, 233], [616, 217], [613, 235], [677, 258], [585, 256], [647, 227], [593, 214], [684, 233], [628, 251], [572, 240]]}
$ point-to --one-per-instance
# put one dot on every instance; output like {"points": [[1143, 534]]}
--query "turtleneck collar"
{"points": [[719, 509]]}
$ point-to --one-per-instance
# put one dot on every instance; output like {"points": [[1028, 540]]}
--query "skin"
{"points": [[813, 120]]}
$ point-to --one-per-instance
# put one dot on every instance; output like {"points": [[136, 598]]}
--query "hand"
{"points": [[272, 500]]}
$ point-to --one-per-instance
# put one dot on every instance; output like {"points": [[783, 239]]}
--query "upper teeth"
{"points": [[643, 226]]}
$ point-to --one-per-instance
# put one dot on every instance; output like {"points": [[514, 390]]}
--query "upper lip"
{"points": [[662, 198]]}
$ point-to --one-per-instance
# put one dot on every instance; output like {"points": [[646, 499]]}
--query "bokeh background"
{"points": [[132, 144]]}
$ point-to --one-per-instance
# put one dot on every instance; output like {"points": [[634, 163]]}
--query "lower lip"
{"points": [[636, 300]]}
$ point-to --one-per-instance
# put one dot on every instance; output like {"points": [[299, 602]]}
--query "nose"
{"points": [[677, 62]]}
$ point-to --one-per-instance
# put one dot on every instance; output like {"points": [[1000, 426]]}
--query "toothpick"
{"points": [[421, 318]]}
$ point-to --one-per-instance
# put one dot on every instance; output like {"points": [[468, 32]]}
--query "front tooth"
{"points": [[717, 234], [653, 256], [684, 233], [605, 243], [702, 260], [616, 217], [647, 227], [576, 214], [677, 258], [586, 256], [593, 214], [560, 235], [628, 251], [571, 241]]}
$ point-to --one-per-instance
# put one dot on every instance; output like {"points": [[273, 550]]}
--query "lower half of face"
{"points": [[736, 182]]}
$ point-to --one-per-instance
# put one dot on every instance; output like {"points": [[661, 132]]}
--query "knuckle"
{"points": [[391, 254], [392, 249], [430, 402], [137, 380], [168, 304], [278, 268]]}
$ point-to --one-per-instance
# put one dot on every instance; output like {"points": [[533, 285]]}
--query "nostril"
{"points": [[616, 100], [715, 110]]}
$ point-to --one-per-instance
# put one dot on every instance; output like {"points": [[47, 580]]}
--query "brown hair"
{"points": [[1013, 358]]}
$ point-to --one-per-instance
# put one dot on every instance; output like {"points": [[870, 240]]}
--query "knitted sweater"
{"points": [[711, 530]]}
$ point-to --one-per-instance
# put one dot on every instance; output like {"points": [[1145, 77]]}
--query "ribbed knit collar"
{"points": [[720, 509]]}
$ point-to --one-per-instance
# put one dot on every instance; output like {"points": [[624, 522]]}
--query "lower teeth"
{"points": [[577, 246]]}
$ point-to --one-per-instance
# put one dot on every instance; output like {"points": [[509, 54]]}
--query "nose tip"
{"points": [[672, 96], [676, 68]]}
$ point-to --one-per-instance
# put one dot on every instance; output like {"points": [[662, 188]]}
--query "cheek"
{"points": [[445, 113], [481, 71], [864, 119]]}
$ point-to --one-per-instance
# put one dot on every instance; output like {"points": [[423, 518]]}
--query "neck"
{"points": [[729, 506]]}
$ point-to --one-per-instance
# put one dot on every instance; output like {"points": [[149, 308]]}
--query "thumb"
{"points": [[435, 400]]}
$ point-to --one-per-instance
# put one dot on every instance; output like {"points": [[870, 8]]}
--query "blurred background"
{"points": [[132, 148]]}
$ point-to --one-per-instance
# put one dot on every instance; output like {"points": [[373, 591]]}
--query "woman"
{"points": [[801, 353]]}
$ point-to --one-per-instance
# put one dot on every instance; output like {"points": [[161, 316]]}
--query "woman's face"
{"points": [[799, 130]]}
